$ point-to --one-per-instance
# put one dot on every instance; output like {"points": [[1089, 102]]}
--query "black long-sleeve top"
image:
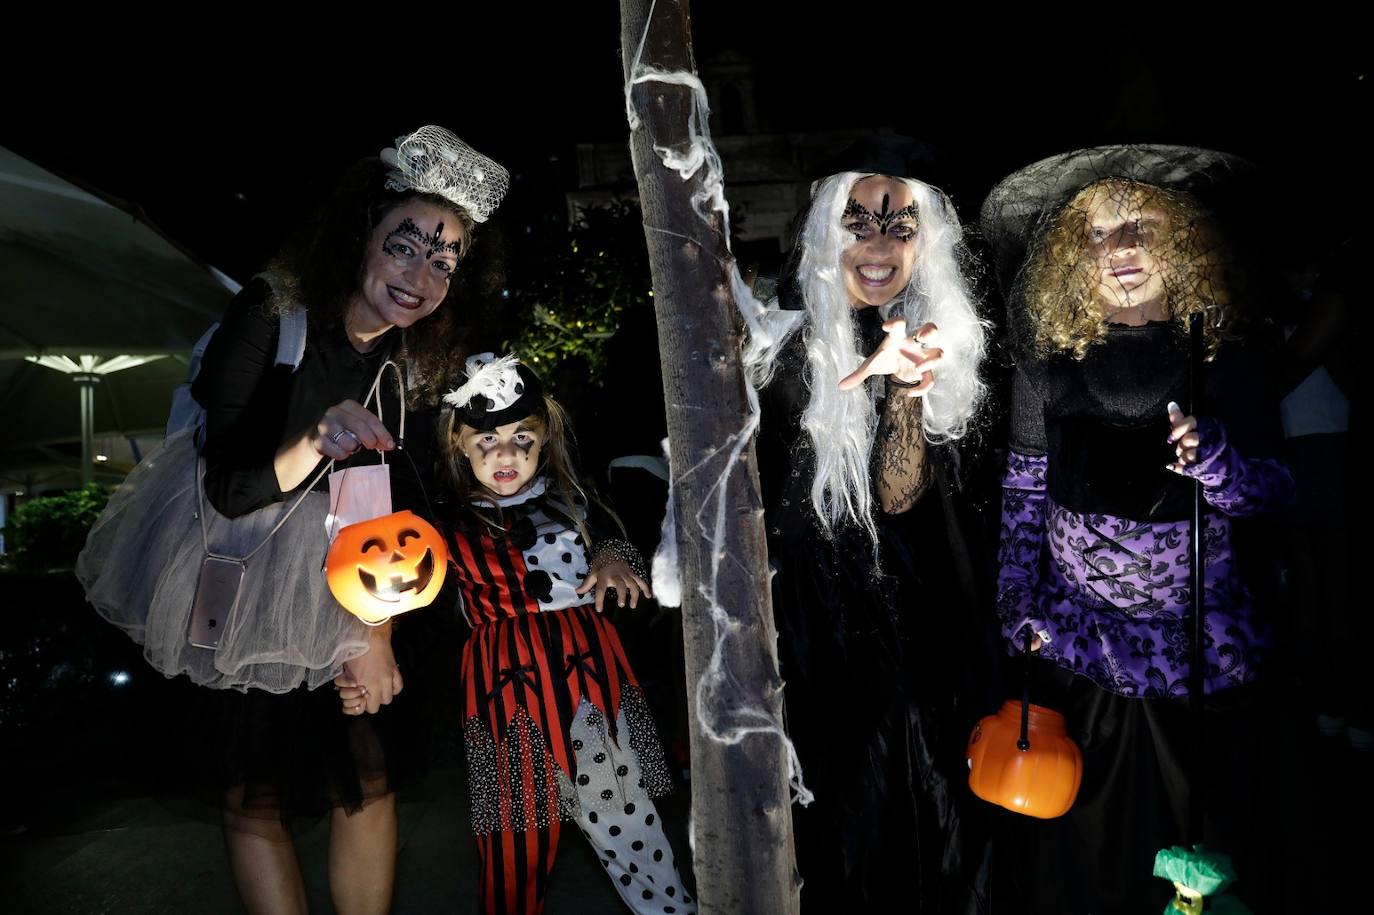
{"points": [[253, 406], [1104, 423]]}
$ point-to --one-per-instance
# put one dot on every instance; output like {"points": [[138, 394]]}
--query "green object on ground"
{"points": [[1197, 874]]}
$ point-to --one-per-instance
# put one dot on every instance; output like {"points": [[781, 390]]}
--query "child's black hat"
{"points": [[497, 392]]}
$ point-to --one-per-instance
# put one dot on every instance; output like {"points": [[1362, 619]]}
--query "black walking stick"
{"points": [[1196, 669], [1196, 871]]}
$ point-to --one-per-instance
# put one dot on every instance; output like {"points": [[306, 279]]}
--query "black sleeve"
{"points": [[245, 406], [1028, 407]]}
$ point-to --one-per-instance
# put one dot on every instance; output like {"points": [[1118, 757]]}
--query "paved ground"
{"points": [[163, 855], [149, 855]]}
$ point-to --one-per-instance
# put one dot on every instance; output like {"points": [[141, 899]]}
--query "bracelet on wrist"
{"points": [[611, 550]]}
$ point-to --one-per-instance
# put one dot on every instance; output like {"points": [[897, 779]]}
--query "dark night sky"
{"points": [[222, 144]]}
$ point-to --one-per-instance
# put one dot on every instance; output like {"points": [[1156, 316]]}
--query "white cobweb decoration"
{"points": [[664, 573], [433, 160], [724, 715]]}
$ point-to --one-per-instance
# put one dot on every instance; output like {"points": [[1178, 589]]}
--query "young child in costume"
{"points": [[1094, 560], [556, 727]]}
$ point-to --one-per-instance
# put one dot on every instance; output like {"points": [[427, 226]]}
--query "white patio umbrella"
{"points": [[89, 289]]}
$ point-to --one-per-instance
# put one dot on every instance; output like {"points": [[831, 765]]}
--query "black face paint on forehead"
{"points": [[884, 219], [434, 243]]}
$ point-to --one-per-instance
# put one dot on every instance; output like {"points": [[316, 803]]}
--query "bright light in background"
{"points": [[119, 678], [91, 365], [101, 458]]}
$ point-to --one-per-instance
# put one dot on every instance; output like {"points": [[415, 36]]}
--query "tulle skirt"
{"points": [[143, 559]]}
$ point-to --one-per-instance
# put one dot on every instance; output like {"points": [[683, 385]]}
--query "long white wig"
{"points": [[842, 424]]}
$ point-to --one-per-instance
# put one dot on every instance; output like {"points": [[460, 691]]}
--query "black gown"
{"points": [[297, 753], [887, 664]]}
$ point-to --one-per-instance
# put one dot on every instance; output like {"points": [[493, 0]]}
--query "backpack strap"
{"points": [[291, 339], [186, 413]]}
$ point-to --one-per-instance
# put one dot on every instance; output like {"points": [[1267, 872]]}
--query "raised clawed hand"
{"points": [[905, 359]]}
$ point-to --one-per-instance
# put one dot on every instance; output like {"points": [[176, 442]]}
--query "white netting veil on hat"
{"points": [[434, 161], [1014, 210]]}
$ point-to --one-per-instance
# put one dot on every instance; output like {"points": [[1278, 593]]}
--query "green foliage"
{"points": [[578, 292], [49, 531]]}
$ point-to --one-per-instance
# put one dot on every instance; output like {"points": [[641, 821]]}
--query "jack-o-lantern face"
{"points": [[385, 566]]}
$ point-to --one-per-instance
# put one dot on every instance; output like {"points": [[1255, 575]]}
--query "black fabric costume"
{"points": [[881, 691], [298, 753], [1103, 423], [1103, 419], [253, 406]]}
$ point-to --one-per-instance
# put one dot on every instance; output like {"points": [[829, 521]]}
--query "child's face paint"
{"points": [[505, 459]]}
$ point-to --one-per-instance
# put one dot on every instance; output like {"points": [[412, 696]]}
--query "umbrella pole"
{"points": [[1196, 671], [86, 383]]}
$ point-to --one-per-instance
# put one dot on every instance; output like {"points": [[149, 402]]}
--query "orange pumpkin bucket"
{"points": [[1022, 758], [1031, 766], [385, 566]]}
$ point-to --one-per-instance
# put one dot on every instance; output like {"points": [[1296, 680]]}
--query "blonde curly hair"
{"points": [[1061, 281]]}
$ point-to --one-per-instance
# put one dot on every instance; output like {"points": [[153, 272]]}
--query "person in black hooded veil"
{"points": [[872, 369]]}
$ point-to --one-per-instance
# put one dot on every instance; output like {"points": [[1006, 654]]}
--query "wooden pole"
{"points": [[741, 810]]}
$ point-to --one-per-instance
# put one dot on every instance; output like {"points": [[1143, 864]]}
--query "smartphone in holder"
{"points": [[217, 594]]}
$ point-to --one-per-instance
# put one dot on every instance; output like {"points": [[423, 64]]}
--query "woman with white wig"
{"points": [[875, 373]]}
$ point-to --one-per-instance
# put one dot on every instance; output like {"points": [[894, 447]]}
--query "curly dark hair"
{"points": [[321, 270]]}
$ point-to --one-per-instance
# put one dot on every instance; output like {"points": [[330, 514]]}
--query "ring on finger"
{"points": [[357, 442]]}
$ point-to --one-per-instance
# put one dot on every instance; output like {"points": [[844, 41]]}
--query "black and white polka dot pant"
{"points": [[620, 820]]}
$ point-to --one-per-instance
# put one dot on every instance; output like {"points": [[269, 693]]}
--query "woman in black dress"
{"points": [[374, 279], [871, 571]]}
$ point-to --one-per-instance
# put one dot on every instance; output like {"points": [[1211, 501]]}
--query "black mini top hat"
{"points": [[497, 392]]}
